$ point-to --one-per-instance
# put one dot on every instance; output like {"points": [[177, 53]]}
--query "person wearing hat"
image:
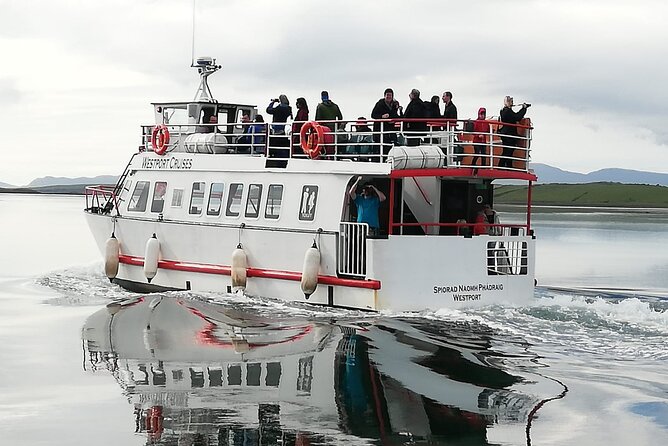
{"points": [[328, 111], [368, 203], [480, 132]]}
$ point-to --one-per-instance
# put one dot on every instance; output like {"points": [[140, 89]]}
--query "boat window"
{"points": [[308, 203], [158, 203], [253, 372], [234, 375], [234, 200], [215, 199], [253, 201], [177, 198], [139, 197], [197, 198], [274, 198]]}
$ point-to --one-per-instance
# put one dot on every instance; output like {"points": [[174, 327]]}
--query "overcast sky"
{"points": [[78, 76]]}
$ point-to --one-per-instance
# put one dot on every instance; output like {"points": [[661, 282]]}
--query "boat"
{"points": [[200, 369], [266, 208]]}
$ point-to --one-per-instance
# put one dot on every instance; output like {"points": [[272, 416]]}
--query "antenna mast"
{"points": [[192, 53]]}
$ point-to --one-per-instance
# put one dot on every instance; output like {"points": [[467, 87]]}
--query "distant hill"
{"points": [[549, 174], [591, 194], [64, 181], [6, 185]]}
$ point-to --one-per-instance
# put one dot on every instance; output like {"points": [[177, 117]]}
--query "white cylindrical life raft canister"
{"points": [[239, 266], [111, 253], [151, 257], [310, 270]]}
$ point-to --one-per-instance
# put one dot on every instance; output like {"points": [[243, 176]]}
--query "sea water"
{"points": [[585, 363]]}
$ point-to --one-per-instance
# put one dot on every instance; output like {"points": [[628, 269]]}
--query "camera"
{"points": [[527, 105], [274, 100]]}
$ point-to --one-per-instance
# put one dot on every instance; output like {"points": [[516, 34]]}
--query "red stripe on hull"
{"points": [[207, 268]]}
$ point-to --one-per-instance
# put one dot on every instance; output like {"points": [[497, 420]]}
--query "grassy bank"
{"points": [[590, 194]]}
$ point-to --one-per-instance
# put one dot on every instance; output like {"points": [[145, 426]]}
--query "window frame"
{"points": [[192, 197], [146, 189], [276, 215], [258, 208], [162, 199], [230, 200], [220, 203]]}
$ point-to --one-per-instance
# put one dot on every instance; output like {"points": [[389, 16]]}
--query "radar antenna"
{"points": [[206, 66]]}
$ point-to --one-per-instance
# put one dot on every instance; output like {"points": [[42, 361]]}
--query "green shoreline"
{"points": [[586, 195]]}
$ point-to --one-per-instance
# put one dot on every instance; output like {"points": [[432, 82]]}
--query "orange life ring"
{"points": [[312, 138], [160, 139]]}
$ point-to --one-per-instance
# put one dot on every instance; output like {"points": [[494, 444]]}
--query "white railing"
{"points": [[508, 258], [351, 249], [368, 140]]}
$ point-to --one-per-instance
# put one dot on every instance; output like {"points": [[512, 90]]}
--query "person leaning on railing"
{"points": [[509, 133]]}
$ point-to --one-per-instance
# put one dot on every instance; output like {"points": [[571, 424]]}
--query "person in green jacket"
{"points": [[328, 111]]}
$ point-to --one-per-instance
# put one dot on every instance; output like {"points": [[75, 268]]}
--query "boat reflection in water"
{"points": [[203, 373]]}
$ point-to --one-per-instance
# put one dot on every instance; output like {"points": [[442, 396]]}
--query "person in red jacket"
{"points": [[480, 130]]}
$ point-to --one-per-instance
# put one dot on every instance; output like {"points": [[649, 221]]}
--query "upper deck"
{"points": [[439, 144]]}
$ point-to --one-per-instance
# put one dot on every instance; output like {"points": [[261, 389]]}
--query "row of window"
{"points": [[233, 204]]}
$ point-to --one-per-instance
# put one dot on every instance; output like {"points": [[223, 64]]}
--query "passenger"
{"points": [[480, 132], [358, 139], [368, 203], [328, 111], [450, 109], [434, 111], [463, 228], [244, 140], [450, 114], [279, 143], [415, 109], [509, 140], [480, 227], [386, 108], [300, 119], [211, 126], [493, 219], [258, 138]]}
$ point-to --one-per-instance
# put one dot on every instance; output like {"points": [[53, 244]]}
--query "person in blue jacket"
{"points": [[368, 203]]}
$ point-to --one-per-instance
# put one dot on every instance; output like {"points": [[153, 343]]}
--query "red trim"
{"points": [[207, 268], [464, 172]]}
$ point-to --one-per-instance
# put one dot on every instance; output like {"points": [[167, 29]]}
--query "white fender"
{"points": [[310, 270], [151, 257], [239, 266], [111, 252]]}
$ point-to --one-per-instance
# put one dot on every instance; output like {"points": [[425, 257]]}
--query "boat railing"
{"points": [[463, 228], [406, 143], [101, 199], [351, 249], [507, 258]]}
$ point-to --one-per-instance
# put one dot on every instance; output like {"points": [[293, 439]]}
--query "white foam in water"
{"points": [[630, 310], [83, 285]]}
